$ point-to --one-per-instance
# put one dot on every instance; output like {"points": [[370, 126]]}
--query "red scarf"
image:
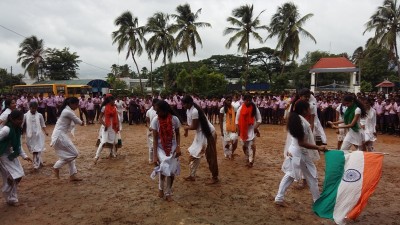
{"points": [[166, 133], [111, 113], [245, 119]]}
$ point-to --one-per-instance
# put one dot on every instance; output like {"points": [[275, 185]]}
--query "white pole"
{"points": [[312, 88]]}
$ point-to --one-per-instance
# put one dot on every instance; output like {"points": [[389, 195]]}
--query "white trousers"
{"points": [[10, 185], [100, 148], [288, 180], [168, 189], [37, 159], [248, 150], [67, 154], [194, 165], [150, 145], [347, 146]]}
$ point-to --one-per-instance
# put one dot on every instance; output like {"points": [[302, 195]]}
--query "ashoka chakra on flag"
{"points": [[350, 179]]}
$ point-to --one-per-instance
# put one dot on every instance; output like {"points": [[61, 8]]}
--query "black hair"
{"points": [[304, 91], [33, 105], [68, 101], [107, 100], [294, 121], [205, 128], [155, 100], [7, 102], [226, 107], [352, 98], [15, 114], [165, 107], [250, 98]]}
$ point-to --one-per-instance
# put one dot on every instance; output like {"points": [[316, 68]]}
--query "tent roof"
{"points": [[386, 84], [336, 64], [98, 83]]}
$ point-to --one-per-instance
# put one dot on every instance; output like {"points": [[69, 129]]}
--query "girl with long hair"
{"points": [[248, 118], [110, 126], [351, 119], [60, 140], [10, 148], [227, 116], [301, 153], [166, 142], [204, 140], [368, 124]]}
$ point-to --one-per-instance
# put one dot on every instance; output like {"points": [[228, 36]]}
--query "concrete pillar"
{"points": [[312, 88]]}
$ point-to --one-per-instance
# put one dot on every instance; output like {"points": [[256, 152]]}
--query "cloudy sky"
{"points": [[85, 26]]}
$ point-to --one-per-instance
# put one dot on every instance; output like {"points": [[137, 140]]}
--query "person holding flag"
{"points": [[302, 152]]}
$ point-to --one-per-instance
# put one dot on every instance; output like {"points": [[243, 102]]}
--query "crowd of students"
{"points": [[357, 119]]}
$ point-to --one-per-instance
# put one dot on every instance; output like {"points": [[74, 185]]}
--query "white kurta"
{"points": [[318, 129], [228, 136], [300, 155], [34, 133], [4, 117], [355, 138], [200, 140], [59, 139], [370, 125], [13, 167], [109, 136], [151, 113], [169, 165], [250, 131]]}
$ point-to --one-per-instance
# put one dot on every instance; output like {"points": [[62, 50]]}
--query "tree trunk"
{"points": [[397, 58], [246, 75], [137, 68], [189, 71], [151, 75]]}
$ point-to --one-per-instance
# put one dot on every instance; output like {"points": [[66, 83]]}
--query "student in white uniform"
{"points": [[248, 118], [150, 114], [10, 148], [351, 119], [204, 140], [108, 133], [35, 131], [60, 140], [368, 124], [227, 116], [341, 133], [9, 105], [165, 128], [302, 152]]}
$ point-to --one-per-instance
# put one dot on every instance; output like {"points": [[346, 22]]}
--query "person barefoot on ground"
{"points": [[166, 142], [10, 148], [301, 153], [62, 144], [35, 130], [109, 129], [248, 118], [229, 134], [204, 140]]}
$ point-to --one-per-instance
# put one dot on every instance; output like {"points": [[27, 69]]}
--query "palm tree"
{"points": [[186, 26], [130, 35], [287, 25], [31, 55], [244, 26], [162, 41], [386, 23]]}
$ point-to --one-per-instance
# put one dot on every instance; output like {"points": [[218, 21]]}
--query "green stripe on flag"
{"points": [[334, 161]]}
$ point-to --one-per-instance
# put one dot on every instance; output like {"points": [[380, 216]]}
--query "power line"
{"points": [[98, 67]]}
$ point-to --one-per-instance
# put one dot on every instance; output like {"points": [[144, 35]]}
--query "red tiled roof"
{"points": [[385, 83], [338, 62]]}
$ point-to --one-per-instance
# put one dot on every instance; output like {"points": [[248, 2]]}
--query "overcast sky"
{"points": [[85, 26]]}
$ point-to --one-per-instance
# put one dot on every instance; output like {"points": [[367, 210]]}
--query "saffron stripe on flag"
{"points": [[372, 174], [325, 205]]}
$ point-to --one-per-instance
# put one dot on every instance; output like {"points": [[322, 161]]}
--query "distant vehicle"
{"points": [[76, 90], [46, 89]]}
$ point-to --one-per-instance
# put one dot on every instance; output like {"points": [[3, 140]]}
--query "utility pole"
{"points": [[11, 71]]}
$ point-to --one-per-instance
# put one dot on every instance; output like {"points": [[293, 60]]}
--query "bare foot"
{"points": [[213, 181], [280, 203], [160, 193], [168, 198], [15, 204], [95, 160], [190, 178], [56, 173], [75, 178]]}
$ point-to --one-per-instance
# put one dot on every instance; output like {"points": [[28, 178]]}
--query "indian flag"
{"points": [[350, 179]]}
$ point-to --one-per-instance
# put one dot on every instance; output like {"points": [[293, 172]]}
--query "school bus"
{"points": [[41, 88], [76, 90]]}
